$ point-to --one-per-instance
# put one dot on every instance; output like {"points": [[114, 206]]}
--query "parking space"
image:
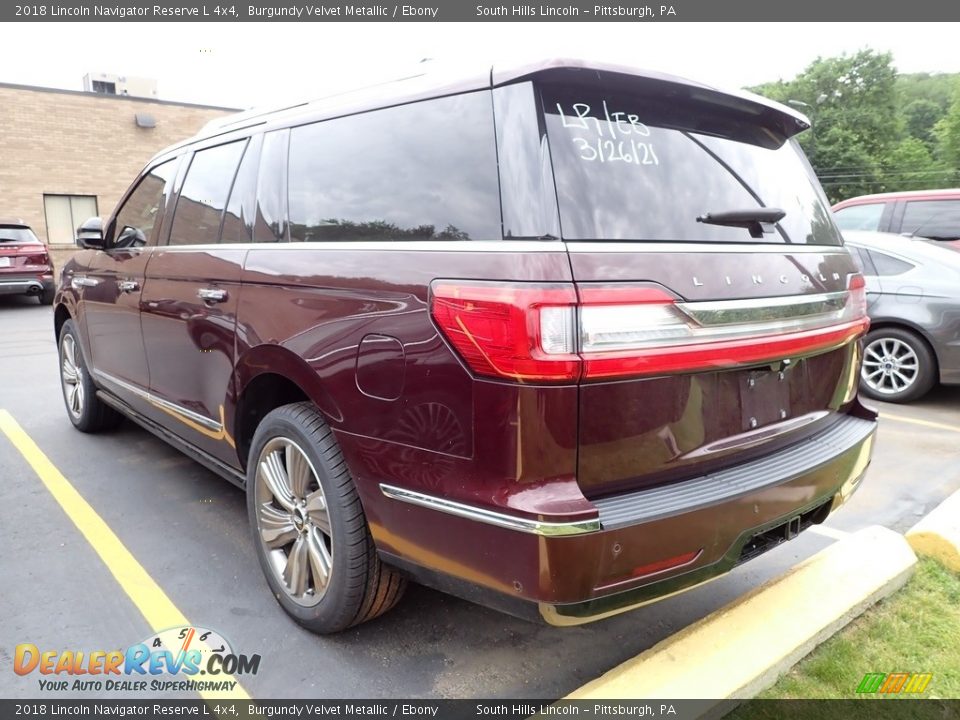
{"points": [[188, 530]]}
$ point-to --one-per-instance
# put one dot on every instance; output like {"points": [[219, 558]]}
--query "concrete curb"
{"points": [[743, 648], [938, 534]]}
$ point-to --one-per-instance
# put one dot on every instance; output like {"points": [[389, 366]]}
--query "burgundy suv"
{"points": [[562, 338], [25, 265]]}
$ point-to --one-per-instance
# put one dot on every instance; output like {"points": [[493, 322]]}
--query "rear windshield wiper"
{"points": [[757, 220]]}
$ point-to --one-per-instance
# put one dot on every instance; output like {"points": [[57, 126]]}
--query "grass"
{"points": [[916, 630]]}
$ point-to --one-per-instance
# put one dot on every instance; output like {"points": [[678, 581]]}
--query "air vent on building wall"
{"points": [[145, 120]]}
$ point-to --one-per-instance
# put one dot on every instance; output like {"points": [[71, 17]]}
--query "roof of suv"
{"points": [[13, 222], [439, 81], [902, 195]]}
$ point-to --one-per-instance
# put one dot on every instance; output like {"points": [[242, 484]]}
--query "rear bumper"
{"points": [[569, 573], [24, 285]]}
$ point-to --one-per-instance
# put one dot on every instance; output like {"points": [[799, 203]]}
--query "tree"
{"points": [[846, 165], [920, 117], [910, 166], [947, 132]]}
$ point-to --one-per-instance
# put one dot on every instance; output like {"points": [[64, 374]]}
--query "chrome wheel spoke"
{"points": [[276, 527], [316, 509], [275, 478], [320, 560], [296, 572], [904, 380], [298, 472], [69, 372]]}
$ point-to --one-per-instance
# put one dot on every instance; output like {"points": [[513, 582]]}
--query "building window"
{"points": [[106, 88], [65, 213]]}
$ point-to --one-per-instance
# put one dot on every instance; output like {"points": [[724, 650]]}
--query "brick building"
{"points": [[67, 155]]}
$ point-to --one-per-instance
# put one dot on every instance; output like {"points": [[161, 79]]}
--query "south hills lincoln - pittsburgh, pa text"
{"points": [[639, 12]]}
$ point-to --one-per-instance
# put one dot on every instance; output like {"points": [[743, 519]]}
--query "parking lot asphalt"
{"points": [[188, 529]]}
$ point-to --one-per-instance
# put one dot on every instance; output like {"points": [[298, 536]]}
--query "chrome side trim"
{"points": [[506, 246], [470, 512], [694, 247], [201, 420]]}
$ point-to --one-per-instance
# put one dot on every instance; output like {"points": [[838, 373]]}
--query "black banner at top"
{"points": [[480, 11]]}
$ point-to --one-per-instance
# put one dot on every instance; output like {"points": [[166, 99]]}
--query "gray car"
{"points": [[913, 297]]}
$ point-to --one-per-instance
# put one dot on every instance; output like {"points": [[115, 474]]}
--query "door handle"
{"points": [[79, 281], [212, 295], [128, 285]]}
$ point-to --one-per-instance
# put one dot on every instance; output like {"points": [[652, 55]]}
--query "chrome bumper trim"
{"points": [[490, 517]]}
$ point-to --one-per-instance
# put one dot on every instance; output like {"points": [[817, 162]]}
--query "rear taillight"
{"points": [[548, 333], [32, 254], [516, 331], [38, 259]]}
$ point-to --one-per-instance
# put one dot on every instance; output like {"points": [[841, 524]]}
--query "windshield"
{"points": [[635, 167], [17, 234]]}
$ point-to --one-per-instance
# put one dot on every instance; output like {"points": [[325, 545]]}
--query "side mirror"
{"points": [[90, 234]]}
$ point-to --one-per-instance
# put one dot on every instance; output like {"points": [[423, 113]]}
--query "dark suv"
{"points": [[562, 338]]}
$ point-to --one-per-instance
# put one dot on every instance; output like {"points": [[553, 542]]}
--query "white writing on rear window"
{"points": [[613, 136]]}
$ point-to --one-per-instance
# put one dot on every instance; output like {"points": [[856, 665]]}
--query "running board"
{"points": [[208, 461]]}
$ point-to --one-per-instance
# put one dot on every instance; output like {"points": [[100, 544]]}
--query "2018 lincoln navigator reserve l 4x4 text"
{"points": [[562, 338]]}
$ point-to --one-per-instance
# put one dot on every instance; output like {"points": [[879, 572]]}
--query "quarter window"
{"points": [[203, 196], [137, 219], [888, 265], [423, 171]]}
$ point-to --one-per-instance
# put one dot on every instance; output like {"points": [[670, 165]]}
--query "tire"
{"points": [[303, 504], [86, 411], [898, 366], [46, 296]]}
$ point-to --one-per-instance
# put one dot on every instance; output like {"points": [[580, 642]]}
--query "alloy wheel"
{"points": [[71, 376], [890, 366], [293, 522]]}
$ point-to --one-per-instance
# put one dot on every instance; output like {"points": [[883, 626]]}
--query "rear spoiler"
{"points": [[730, 107]]}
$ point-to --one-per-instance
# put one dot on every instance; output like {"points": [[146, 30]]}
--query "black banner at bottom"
{"points": [[868, 709]]}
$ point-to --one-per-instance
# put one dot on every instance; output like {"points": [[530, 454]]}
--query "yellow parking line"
{"points": [[150, 599], [923, 423]]}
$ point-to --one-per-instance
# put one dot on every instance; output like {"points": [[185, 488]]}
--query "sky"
{"points": [[247, 64]]}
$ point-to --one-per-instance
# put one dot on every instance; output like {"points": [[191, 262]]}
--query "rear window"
{"points": [[644, 167], [17, 234]]}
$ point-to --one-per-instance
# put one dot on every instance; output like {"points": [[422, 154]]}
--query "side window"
{"points": [[239, 216], [137, 219], [937, 219], [270, 225], [887, 265], [859, 217], [196, 220], [423, 171]]}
